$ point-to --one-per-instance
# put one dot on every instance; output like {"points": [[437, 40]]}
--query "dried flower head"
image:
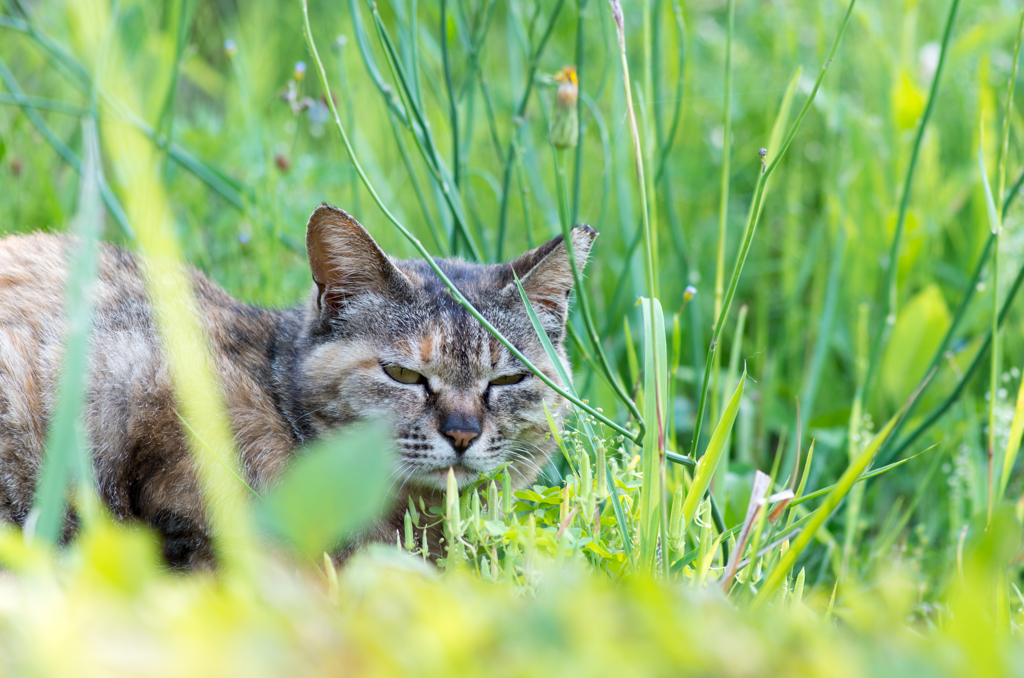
{"points": [[565, 123]]}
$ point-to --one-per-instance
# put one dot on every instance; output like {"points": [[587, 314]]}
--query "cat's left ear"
{"points": [[547, 279], [346, 261]]}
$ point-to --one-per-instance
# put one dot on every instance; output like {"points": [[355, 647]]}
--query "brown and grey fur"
{"points": [[287, 375]]}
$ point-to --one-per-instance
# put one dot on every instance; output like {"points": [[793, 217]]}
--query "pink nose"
{"points": [[461, 439]]}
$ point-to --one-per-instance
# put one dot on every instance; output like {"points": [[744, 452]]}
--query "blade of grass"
{"points": [[820, 515], [1004, 148], [620, 518], [656, 358], [1012, 445], [718, 480], [577, 172], [993, 222], [42, 104], [853, 436], [651, 496], [866, 476], [185, 16], [638, 156], [453, 109], [762, 482], [826, 323], [387, 92], [802, 486], [67, 446], [723, 195], [716, 511], [667, 139]]}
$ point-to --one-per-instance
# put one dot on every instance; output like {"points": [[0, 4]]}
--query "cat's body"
{"points": [[378, 337]]}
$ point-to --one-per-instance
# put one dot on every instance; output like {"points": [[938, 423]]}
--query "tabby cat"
{"points": [[377, 337]]}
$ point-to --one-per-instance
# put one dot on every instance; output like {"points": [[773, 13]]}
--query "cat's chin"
{"points": [[437, 478]]}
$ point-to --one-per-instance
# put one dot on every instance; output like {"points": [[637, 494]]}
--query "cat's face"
{"points": [[387, 340]]}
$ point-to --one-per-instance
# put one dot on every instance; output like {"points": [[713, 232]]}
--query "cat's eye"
{"points": [[403, 375], [508, 380]]}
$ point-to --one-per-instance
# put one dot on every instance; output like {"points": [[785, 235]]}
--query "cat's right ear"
{"points": [[345, 260]]}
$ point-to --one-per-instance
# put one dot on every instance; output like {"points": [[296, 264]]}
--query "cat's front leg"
{"points": [[186, 542]]}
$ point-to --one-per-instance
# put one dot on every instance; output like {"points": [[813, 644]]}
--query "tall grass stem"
{"points": [[748, 235], [517, 117], [887, 320]]}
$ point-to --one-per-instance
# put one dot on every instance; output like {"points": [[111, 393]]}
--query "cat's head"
{"points": [[385, 339]]}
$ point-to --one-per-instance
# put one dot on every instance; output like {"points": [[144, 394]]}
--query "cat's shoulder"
{"points": [[28, 248]]}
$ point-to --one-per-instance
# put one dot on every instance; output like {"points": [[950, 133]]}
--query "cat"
{"points": [[377, 337]]}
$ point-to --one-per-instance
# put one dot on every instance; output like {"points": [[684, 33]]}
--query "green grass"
{"points": [[855, 274]]}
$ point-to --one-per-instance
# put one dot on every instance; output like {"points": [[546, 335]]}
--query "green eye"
{"points": [[404, 376], [508, 379]]}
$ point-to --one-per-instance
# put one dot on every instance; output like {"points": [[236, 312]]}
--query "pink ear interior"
{"points": [[546, 274], [344, 259]]}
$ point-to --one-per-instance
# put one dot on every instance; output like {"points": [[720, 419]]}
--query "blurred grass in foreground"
{"points": [[856, 276]]}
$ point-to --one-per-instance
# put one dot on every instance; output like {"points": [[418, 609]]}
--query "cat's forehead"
{"points": [[454, 344], [473, 280], [446, 333]]}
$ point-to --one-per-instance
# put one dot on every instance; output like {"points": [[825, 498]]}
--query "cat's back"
{"points": [[33, 282], [32, 273], [130, 413], [33, 279], [33, 270]]}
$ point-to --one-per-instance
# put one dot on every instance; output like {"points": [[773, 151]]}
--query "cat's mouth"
{"points": [[436, 477]]}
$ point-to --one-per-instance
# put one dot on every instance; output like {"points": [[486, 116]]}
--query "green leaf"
{"points": [[495, 528], [918, 332], [716, 448], [332, 489], [528, 495]]}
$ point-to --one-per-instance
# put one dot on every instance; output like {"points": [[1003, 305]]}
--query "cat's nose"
{"points": [[461, 429]]}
